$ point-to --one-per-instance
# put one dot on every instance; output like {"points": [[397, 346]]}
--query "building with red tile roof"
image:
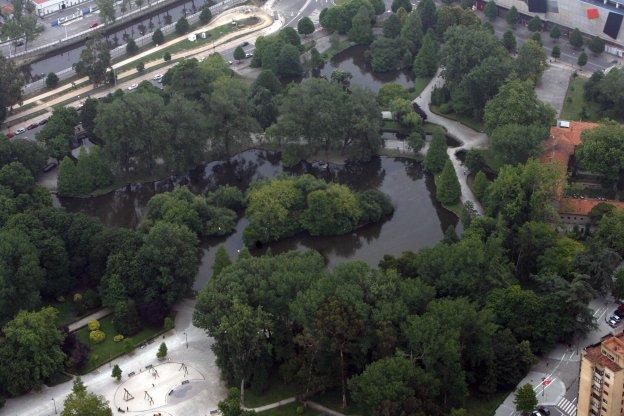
{"points": [[559, 148]]}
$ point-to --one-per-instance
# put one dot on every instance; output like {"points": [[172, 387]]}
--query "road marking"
{"points": [[567, 407]]}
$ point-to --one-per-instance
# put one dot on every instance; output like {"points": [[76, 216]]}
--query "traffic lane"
{"points": [[225, 49]]}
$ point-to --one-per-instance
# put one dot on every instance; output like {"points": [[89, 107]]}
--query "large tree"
{"points": [[427, 60], [517, 103], [30, 351], [169, 260], [94, 60], [11, 83], [515, 143], [230, 121], [531, 60], [465, 48], [21, 277], [81, 402], [602, 151]]}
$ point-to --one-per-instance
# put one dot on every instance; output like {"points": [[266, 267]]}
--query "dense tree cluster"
{"points": [[602, 151], [325, 116], [608, 91], [181, 207], [279, 53], [465, 312], [47, 253], [286, 206]]}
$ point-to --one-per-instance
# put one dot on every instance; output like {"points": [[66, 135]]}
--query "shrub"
{"points": [[182, 26], [162, 351], [52, 80], [206, 15], [131, 47], [77, 298], [97, 336], [128, 346], [118, 338], [91, 299], [94, 325], [140, 66], [167, 57], [158, 37], [227, 197], [168, 323]]}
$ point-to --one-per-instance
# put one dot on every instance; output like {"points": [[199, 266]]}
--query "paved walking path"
{"points": [[186, 344], [270, 406], [469, 139], [84, 321]]}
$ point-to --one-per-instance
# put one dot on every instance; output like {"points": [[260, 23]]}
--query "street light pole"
{"points": [[186, 339], [54, 401]]}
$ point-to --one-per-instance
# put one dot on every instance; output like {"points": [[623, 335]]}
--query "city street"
{"points": [[555, 376]]}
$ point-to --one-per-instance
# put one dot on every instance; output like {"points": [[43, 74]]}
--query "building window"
{"points": [[605, 401], [606, 384]]}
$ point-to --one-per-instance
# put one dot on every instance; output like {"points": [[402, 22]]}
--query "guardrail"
{"points": [[140, 41]]}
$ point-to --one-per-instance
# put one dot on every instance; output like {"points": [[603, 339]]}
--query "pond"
{"points": [[353, 60], [418, 221]]}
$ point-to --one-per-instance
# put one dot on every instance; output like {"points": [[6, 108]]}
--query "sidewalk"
{"points": [[265, 21]]}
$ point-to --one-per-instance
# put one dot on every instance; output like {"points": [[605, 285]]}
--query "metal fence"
{"points": [[140, 41]]}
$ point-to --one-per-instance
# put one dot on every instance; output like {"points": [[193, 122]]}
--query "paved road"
{"points": [[560, 368], [469, 138]]}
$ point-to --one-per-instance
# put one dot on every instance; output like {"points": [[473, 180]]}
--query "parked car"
{"points": [[94, 24], [230, 62], [44, 121], [32, 126], [249, 54], [20, 131], [542, 411], [613, 321], [133, 87], [158, 77], [245, 44], [9, 135]]}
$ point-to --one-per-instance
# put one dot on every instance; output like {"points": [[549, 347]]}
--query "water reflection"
{"points": [[354, 60], [418, 221]]}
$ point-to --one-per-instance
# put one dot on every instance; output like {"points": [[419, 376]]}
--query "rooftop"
{"points": [[558, 149], [613, 343]]}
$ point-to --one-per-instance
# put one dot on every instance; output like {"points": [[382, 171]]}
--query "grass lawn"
{"points": [[275, 392], [431, 128], [419, 86], [466, 121], [109, 349], [478, 405], [336, 48], [575, 102], [288, 410]]}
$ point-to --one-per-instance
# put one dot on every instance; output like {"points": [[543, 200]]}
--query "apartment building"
{"points": [[601, 381]]}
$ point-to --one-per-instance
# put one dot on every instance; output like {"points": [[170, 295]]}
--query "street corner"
{"points": [[548, 388]]}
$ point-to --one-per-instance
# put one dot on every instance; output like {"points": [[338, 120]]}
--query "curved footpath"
{"points": [[468, 138]]}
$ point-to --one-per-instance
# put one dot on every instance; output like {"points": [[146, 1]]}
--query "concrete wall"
{"points": [[573, 14]]}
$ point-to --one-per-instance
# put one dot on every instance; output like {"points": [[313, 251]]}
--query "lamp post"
{"points": [[54, 401], [186, 339]]}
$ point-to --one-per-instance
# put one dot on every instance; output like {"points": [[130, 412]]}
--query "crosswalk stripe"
{"points": [[567, 407]]}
